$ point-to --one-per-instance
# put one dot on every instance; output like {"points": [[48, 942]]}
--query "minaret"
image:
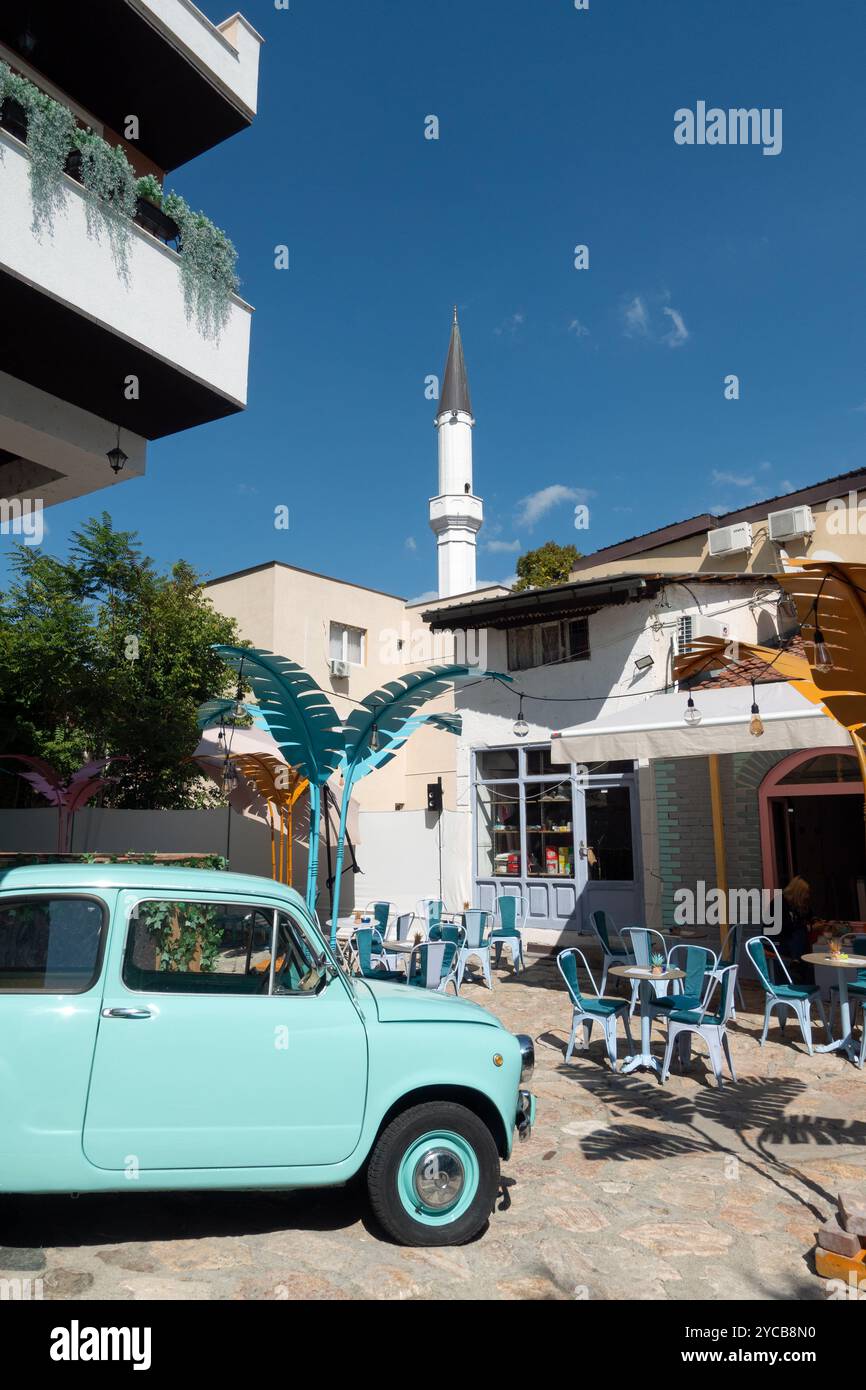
{"points": [[456, 514]]}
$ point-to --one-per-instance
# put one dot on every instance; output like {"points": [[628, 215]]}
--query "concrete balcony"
{"points": [[192, 84], [78, 331]]}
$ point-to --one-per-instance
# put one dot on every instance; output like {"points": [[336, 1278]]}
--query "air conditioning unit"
{"points": [[340, 668], [709, 627], [730, 540], [791, 523]]}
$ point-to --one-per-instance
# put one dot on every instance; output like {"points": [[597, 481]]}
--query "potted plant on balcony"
{"points": [[149, 212], [13, 103]]}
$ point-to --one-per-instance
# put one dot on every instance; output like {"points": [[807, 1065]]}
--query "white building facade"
{"points": [[106, 353]]}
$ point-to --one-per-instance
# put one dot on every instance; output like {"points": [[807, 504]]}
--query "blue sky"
{"points": [[556, 128]]}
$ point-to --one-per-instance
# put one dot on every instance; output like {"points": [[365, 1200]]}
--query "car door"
{"points": [[218, 1045], [51, 953]]}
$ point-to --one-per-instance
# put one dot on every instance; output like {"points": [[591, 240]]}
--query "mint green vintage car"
{"points": [[182, 1028]]}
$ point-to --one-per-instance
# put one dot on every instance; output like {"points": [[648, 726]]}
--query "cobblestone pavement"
{"points": [[627, 1189]]}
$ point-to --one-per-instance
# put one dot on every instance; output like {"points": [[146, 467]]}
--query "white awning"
{"points": [[655, 728]]}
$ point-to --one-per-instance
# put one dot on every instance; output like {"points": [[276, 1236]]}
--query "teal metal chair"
{"points": [[476, 944], [431, 911], [585, 1010], [381, 912], [433, 965], [644, 943], [698, 963], [602, 926], [370, 955], [683, 1024], [796, 998], [402, 930], [511, 910], [730, 955], [857, 986]]}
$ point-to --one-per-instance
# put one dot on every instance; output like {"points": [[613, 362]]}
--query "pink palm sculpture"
{"points": [[68, 797]]}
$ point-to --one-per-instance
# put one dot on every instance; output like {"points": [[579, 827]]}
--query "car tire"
{"points": [[433, 1175]]}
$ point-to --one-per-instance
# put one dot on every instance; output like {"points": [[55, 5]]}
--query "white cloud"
{"points": [[509, 326], [411, 543], [733, 479], [578, 329], [531, 509], [636, 319], [678, 334], [427, 597], [502, 547]]}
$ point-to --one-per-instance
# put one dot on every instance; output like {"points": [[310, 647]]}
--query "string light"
{"points": [[822, 660], [521, 728], [692, 715], [374, 738], [756, 723]]}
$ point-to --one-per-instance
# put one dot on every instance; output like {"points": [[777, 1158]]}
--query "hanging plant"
{"points": [[109, 180], [50, 135], [207, 264]]}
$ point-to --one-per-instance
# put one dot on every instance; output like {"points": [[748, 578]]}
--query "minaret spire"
{"points": [[455, 385], [456, 514]]}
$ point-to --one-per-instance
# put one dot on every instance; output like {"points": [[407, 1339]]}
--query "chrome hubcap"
{"points": [[438, 1179]]}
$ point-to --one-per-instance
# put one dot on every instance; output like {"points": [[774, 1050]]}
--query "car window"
{"points": [[177, 946], [50, 945], [299, 968]]}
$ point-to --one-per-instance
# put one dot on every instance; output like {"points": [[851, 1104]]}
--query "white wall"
{"points": [[78, 270], [143, 832], [399, 855], [228, 52]]}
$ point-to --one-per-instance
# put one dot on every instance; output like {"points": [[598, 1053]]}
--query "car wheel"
{"points": [[433, 1175]]}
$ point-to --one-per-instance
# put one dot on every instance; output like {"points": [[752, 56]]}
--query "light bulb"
{"points": [[822, 660], [756, 723], [374, 740], [692, 715], [520, 728]]}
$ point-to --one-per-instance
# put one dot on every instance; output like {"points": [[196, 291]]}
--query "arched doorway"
{"points": [[811, 811]]}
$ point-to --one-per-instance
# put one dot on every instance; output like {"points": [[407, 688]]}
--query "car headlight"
{"points": [[527, 1055]]}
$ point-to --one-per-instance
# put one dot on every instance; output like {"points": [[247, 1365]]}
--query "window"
{"points": [[50, 945], [347, 644], [548, 644], [216, 948]]}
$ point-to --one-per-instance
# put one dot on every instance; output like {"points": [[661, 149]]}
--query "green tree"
{"points": [[101, 655], [549, 564]]}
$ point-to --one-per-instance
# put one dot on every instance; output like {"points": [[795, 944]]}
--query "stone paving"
{"points": [[627, 1190]]}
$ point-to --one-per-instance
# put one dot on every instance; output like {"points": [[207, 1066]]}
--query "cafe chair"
{"points": [[370, 955], [712, 1027], [403, 929], [381, 912], [511, 910], [730, 955], [585, 1010], [433, 965], [698, 963], [476, 945], [856, 987], [645, 942], [797, 998], [602, 926]]}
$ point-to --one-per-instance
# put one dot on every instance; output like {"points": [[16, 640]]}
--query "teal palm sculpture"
{"points": [[301, 720], [381, 725]]}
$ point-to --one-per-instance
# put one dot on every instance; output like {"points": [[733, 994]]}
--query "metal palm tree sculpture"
{"points": [[68, 797], [301, 720]]}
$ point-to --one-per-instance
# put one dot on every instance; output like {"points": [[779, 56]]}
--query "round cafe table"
{"points": [[647, 979], [843, 966]]}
